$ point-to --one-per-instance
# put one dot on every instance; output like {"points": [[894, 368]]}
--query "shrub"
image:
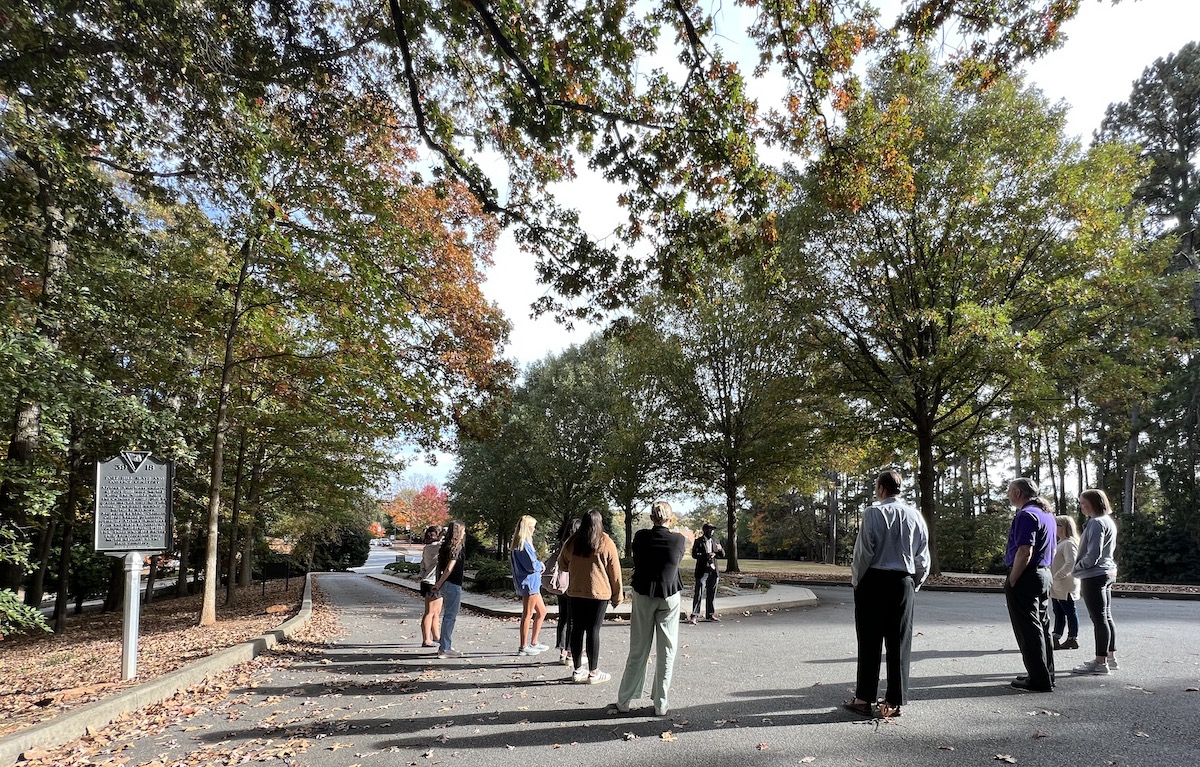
{"points": [[17, 617], [403, 568], [339, 550], [492, 575]]}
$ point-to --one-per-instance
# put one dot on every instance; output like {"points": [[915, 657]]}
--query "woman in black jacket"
{"points": [[655, 610]]}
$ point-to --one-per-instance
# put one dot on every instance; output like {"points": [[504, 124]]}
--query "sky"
{"points": [[1107, 48]]}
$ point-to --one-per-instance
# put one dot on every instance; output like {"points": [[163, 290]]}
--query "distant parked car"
{"points": [[384, 542]]}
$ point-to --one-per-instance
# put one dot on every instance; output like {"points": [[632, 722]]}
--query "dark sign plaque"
{"points": [[133, 503]]}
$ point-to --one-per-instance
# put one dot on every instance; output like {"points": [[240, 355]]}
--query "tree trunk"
{"points": [[731, 511], [252, 498], [115, 594], [153, 576], [627, 509], [208, 608], [1053, 477], [1135, 429], [832, 527], [185, 549], [926, 477], [1063, 503], [235, 519], [1018, 468], [62, 598], [74, 479], [1081, 479], [36, 589]]}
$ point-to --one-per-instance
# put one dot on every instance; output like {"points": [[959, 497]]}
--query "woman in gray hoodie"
{"points": [[1096, 569]]}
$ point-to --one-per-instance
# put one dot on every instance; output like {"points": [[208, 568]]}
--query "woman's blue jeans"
{"points": [[451, 601]]}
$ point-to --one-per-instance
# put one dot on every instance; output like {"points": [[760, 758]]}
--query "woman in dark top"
{"points": [[655, 611], [563, 638], [449, 585]]}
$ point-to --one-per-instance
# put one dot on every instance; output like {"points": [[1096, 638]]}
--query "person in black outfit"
{"points": [[705, 551]]}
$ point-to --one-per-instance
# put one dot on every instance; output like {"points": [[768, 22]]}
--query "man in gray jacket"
{"points": [[891, 561]]}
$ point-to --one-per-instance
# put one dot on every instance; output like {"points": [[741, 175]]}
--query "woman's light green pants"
{"points": [[651, 619]]}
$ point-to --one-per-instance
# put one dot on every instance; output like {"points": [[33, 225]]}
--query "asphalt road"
{"points": [[763, 689]]}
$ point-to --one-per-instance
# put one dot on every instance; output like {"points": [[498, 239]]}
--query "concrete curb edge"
{"points": [[1000, 590], [515, 611], [75, 724]]}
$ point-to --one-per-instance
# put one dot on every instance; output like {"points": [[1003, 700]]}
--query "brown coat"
{"points": [[594, 577]]}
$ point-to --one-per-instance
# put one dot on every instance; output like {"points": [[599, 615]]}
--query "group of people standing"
{"points": [[585, 574], [1056, 568], [442, 566], [1050, 568], [587, 577], [1048, 564]]}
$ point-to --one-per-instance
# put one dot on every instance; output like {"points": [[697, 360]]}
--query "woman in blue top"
{"points": [[527, 580], [1096, 569]]}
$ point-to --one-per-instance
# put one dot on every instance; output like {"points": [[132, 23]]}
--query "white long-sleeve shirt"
{"points": [[892, 536]]}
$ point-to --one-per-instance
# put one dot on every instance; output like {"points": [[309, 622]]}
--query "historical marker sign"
{"points": [[133, 503]]}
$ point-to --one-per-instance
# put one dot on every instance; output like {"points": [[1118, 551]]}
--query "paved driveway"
{"points": [[763, 689]]}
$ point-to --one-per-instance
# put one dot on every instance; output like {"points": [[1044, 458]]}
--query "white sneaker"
{"points": [[539, 647], [580, 676], [660, 710], [1098, 668], [451, 653], [623, 706], [1112, 664], [600, 677], [529, 650]]}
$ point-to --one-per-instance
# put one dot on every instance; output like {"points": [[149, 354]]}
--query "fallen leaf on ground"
{"points": [[1006, 758], [1039, 734], [629, 736], [668, 736], [762, 747]]}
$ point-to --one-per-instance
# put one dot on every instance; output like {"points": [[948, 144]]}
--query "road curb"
{"points": [[74, 724], [766, 604], [1000, 590]]}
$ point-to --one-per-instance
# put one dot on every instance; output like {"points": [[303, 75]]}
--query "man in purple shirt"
{"points": [[1027, 589]]}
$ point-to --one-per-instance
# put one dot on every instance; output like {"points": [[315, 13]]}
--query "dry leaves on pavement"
{"points": [[43, 675], [222, 693]]}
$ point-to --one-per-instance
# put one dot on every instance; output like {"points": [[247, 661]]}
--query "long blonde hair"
{"points": [[1068, 524], [524, 532]]}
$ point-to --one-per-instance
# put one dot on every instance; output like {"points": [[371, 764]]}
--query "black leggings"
{"points": [[563, 638], [587, 615], [1097, 595]]}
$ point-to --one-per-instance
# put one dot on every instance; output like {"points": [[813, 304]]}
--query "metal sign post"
{"points": [[133, 516], [132, 618]]}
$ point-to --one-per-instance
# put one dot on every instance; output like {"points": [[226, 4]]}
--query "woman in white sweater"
{"points": [[1064, 589]]}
